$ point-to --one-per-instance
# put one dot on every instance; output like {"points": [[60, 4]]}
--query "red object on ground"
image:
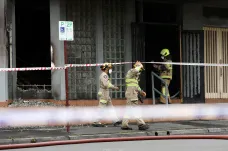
{"points": [[97, 140]]}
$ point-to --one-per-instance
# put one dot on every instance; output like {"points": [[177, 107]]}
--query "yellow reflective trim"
{"points": [[109, 84], [163, 91], [103, 101], [137, 68], [132, 85], [139, 89], [99, 93], [131, 80], [166, 77], [169, 66]]}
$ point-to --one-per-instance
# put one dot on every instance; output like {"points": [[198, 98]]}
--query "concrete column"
{"points": [[58, 76], [129, 18], [99, 39], [3, 56], [14, 51]]}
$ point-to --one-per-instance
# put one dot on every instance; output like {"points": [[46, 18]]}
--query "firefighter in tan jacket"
{"points": [[132, 90], [165, 73], [103, 94]]}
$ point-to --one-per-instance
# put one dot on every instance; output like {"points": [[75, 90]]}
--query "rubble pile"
{"points": [[32, 103]]}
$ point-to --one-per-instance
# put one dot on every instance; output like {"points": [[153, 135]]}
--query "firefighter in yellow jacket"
{"points": [[131, 94], [165, 73], [103, 94]]}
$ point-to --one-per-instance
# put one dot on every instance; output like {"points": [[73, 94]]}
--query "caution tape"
{"points": [[152, 62], [189, 64], [52, 116], [31, 69], [56, 68], [99, 64]]}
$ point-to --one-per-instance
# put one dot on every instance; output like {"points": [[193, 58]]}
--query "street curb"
{"points": [[189, 131], [111, 135]]}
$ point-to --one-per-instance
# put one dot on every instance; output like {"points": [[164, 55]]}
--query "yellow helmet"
{"points": [[165, 52], [106, 65]]}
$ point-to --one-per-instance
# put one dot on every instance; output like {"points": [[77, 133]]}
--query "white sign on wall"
{"points": [[66, 30]]}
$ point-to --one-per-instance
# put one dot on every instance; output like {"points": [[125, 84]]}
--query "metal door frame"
{"points": [[197, 88], [220, 70]]}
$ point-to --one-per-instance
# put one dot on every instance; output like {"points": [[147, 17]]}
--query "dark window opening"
{"points": [[33, 41], [159, 12]]}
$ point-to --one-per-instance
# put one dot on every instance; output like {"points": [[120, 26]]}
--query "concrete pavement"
{"points": [[147, 145], [32, 135]]}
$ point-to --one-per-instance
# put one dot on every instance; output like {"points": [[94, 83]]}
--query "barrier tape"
{"points": [[56, 68], [98, 64], [11, 117]]}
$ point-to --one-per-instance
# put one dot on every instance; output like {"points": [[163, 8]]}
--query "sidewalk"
{"points": [[29, 135]]}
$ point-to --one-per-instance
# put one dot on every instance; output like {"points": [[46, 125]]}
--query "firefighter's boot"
{"points": [[143, 127], [126, 128], [117, 123], [98, 124]]}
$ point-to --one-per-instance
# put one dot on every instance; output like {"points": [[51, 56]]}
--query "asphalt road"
{"points": [[155, 145]]}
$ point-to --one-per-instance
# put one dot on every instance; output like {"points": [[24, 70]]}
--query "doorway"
{"points": [[33, 41], [216, 51], [156, 38], [161, 31]]}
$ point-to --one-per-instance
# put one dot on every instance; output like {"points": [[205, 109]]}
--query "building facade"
{"points": [[115, 30]]}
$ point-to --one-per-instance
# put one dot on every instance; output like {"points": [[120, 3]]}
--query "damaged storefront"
{"points": [[130, 30]]}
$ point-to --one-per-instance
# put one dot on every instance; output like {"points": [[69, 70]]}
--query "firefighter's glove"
{"points": [[143, 93], [155, 66], [116, 88], [99, 94]]}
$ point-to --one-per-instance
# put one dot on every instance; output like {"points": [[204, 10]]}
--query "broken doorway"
{"points": [[161, 31], [156, 39], [33, 43]]}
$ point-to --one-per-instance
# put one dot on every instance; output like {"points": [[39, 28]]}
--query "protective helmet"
{"points": [[165, 52], [105, 66]]}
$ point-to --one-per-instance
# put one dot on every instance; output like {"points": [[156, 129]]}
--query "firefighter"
{"points": [[165, 73], [131, 94], [103, 94]]}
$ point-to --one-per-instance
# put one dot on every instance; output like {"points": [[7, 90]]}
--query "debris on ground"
{"points": [[32, 103]]}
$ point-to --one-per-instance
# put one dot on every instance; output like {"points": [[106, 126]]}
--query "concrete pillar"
{"points": [[3, 55], [11, 22], [99, 39], [14, 51], [129, 18], [58, 76]]}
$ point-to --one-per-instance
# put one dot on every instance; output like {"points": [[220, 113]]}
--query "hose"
{"points": [[117, 139], [175, 95]]}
